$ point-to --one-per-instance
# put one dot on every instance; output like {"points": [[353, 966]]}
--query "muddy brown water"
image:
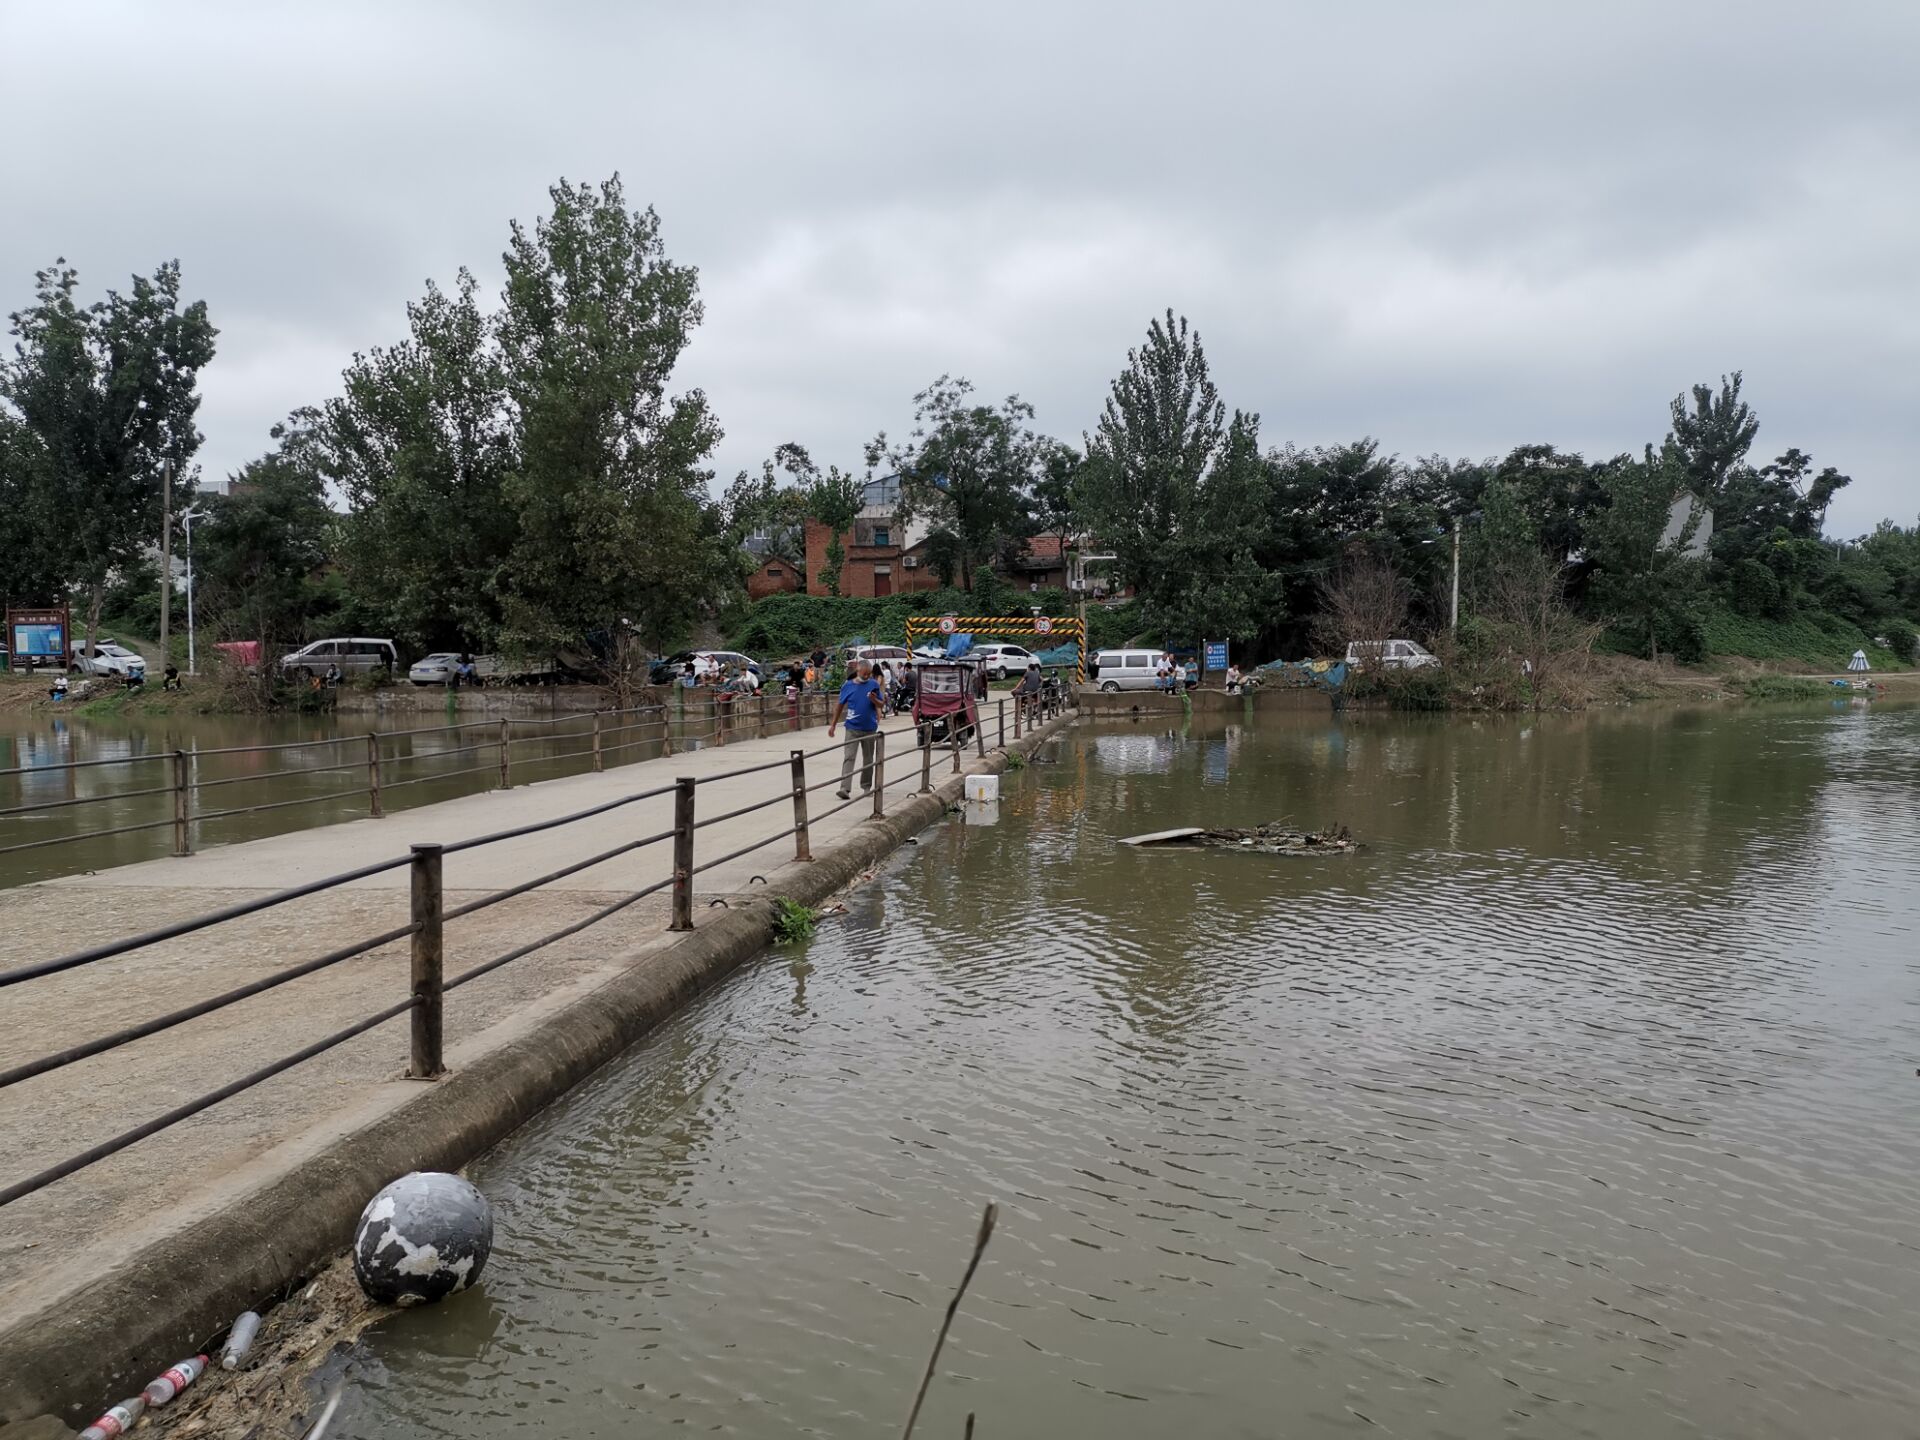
{"points": [[306, 771], [1583, 1103]]}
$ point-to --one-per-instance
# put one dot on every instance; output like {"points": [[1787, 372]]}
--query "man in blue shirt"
{"points": [[860, 705]]}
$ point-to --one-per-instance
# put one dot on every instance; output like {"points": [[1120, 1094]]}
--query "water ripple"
{"points": [[1574, 1106]]}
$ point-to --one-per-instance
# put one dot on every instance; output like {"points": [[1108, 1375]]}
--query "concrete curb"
{"points": [[109, 1334]]}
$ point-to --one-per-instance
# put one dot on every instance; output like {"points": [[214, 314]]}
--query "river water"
{"points": [[255, 775], [1580, 1104]]}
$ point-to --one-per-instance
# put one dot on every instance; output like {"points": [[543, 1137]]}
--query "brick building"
{"points": [[774, 576], [882, 555]]}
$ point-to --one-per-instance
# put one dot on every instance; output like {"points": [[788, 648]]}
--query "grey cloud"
{"points": [[1456, 227]]}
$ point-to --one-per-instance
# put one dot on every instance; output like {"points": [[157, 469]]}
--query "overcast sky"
{"points": [[1453, 226]]}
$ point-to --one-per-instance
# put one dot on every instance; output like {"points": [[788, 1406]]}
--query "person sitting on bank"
{"points": [[171, 679], [1233, 679], [58, 690], [859, 703]]}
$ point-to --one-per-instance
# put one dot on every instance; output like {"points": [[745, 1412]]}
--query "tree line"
{"points": [[516, 472]]}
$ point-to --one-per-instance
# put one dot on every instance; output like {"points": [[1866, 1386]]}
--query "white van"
{"points": [[1116, 670]]}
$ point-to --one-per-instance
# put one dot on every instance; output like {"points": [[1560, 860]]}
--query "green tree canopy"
{"points": [[102, 397], [969, 470], [1162, 426]]}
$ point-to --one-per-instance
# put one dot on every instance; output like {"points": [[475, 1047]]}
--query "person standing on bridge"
{"points": [[859, 704]]}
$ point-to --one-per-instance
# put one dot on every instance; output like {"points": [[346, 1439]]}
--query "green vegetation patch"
{"points": [[794, 923], [1814, 638], [1785, 687]]}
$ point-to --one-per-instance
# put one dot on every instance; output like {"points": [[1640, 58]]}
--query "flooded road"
{"points": [[1581, 1104]]}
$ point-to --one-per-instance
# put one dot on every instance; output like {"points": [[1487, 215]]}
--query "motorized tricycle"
{"points": [[946, 700]]}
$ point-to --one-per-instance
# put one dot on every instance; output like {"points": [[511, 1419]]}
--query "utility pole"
{"points": [[166, 555], [1453, 610], [191, 514]]}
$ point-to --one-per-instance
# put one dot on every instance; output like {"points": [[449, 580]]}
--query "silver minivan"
{"points": [[357, 655], [1116, 670]]}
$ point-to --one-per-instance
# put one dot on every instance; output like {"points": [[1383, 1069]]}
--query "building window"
{"points": [[882, 535], [773, 572]]}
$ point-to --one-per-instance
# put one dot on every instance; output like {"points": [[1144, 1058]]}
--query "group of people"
{"points": [[1174, 675]]}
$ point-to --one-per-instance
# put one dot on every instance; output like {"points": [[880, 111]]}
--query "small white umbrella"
{"points": [[1859, 661]]}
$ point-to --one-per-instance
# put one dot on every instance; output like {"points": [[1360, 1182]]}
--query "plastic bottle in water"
{"points": [[162, 1389], [240, 1340], [116, 1421]]}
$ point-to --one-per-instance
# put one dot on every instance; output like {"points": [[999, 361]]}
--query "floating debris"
{"points": [[1274, 838]]}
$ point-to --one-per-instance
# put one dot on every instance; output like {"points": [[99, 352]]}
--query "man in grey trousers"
{"points": [[859, 704]]}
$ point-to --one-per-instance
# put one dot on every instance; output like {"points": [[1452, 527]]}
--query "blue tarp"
{"points": [[958, 645], [1307, 672], [1067, 654]]}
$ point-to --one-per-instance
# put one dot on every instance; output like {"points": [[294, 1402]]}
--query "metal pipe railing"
{"points": [[428, 916], [378, 762]]}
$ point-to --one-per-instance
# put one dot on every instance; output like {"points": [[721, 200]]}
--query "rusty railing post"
{"points": [[1001, 705], [506, 742], [954, 739], [802, 846], [373, 776], [1016, 716], [683, 853], [719, 712], [926, 758], [429, 964], [879, 773], [980, 735], [180, 845], [666, 726], [599, 760]]}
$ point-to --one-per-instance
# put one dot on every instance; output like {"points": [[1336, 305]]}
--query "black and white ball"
{"points": [[423, 1238]]}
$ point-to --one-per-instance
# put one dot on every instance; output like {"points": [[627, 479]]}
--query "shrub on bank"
{"points": [[1785, 687], [1815, 638]]}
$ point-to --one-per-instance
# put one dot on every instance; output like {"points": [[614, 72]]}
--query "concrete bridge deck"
{"points": [[104, 1211]]}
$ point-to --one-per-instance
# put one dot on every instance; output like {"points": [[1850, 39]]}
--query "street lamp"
{"points": [[187, 517]]}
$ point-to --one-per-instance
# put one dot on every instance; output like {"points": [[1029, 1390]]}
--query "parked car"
{"points": [[1116, 670], [354, 655], [880, 654], [435, 669], [107, 659], [669, 668], [1390, 655], [1002, 661]]}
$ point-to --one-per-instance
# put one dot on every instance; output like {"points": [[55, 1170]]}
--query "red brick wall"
{"points": [[775, 577], [857, 569]]}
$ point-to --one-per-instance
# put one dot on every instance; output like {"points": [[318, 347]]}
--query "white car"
{"points": [[107, 659], [1002, 661], [881, 654], [1390, 655], [435, 669]]}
